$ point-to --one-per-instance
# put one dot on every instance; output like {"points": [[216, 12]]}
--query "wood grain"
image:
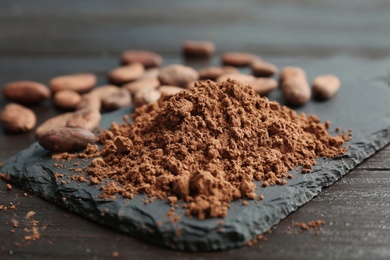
{"points": [[43, 39]]}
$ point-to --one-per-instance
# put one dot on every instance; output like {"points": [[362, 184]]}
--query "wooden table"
{"points": [[42, 39]]}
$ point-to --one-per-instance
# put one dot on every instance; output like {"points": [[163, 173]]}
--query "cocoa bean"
{"points": [[243, 78], [139, 84], [119, 99], [146, 96], [214, 72], [199, 49], [238, 59], [26, 92], [90, 100], [264, 86], [81, 83], [169, 90], [325, 86], [66, 99], [86, 118], [146, 58], [66, 139], [122, 75], [295, 88], [17, 118], [262, 68], [51, 123], [177, 75], [150, 73]]}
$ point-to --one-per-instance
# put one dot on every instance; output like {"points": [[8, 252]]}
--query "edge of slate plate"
{"points": [[33, 169]]}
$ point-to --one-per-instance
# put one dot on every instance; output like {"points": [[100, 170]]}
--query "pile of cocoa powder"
{"points": [[207, 145]]}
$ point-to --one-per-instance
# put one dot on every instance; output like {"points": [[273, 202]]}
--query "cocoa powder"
{"points": [[207, 146]]}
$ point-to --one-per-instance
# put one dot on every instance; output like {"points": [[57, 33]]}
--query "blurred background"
{"points": [[294, 27]]}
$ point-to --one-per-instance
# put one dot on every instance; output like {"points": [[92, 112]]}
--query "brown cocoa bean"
{"points": [[103, 91], [51, 123], [91, 101], [119, 99], [66, 139], [213, 73], [26, 92], [146, 58], [17, 118], [177, 75], [67, 99], [238, 59], [122, 75], [295, 88], [86, 118], [169, 90], [198, 49], [150, 73], [291, 72], [262, 68], [264, 86], [243, 78], [81, 82], [325, 86], [146, 96], [135, 86]]}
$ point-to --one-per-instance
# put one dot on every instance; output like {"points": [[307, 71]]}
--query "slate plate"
{"points": [[361, 105]]}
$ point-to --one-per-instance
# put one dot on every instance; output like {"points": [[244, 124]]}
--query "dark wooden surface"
{"points": [[41, 39]]}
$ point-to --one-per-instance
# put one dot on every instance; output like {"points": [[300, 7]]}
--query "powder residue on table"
{"points": [[207, 146]]}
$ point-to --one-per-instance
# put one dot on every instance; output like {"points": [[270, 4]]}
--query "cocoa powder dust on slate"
{"points": [[207, 146]]}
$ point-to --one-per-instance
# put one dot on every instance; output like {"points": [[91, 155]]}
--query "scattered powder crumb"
{"points": [[299, 227], [15, 223], [115, 254], [5, 176], [9, 186], [30, 214]]}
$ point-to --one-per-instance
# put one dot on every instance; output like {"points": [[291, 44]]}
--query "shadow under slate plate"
{"points": [[361, 104]]}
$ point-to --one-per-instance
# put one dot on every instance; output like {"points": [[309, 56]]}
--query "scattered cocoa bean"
{"points": [[66, 139], [177, 75], [103, 91], [139, 84], [291, 72], [243, 78], [264, 86], [127, 73], [51, 123], [146, 58], [325, 86], [67, 99], [214, 72], [295, 88], [91, 101], [199, 49], [238, 59], [146, 96], [26, 92], [86, 118], [81, 83], [262, 68], [169, 90], [17, 118], [120, 98], [150, 73]]}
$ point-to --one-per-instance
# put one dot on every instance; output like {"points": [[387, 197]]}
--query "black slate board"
{"points": [[361, 105]]}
